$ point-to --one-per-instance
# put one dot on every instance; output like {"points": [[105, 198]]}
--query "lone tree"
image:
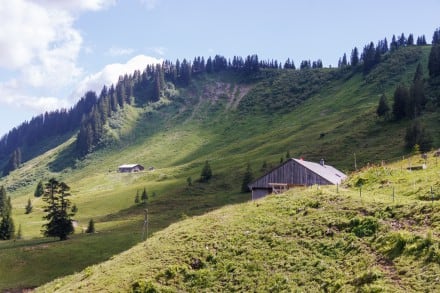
{"points": [[28, 207], [144, 196], [247, 178], [57, 210], [39, 191], [206, 172], [382, 108], [6, 223], [91, 227]]}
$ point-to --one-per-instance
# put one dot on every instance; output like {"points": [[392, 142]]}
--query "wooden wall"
{"points": [[291, 173]]}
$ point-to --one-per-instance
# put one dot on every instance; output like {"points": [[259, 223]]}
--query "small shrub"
{"points": [[365, 227], [365, 278], [142, 286]]}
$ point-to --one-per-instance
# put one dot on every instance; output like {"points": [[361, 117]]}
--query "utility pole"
{"points": [[145, 228], [355, 165]]}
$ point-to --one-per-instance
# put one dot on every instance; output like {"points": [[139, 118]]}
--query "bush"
{"points": [[364, 227]]}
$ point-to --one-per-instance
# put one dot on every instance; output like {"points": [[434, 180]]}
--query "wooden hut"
{"points": [[130, 168], [295, 172]]}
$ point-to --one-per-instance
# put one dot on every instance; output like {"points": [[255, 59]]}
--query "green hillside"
{"points": [[226, 119], [307, 239]]}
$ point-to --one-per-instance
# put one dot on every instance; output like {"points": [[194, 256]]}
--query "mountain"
{"points": [[380, 237], [255, 113]]}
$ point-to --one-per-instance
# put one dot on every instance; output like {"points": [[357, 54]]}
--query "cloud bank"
{"points": [[110, 75]]}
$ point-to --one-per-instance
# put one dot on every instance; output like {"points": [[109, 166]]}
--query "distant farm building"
{"points": [[130, 168], [295, 172]]}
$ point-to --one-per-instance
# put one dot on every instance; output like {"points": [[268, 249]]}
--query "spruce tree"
{"points": [[247, 178], [39, 191], [57, 210], [382, 108], [206, 172], [144, 196], [354, 59], [137, 199], [400, 105], [6, 223], [434, 61], [28, 208], [91, 227]]}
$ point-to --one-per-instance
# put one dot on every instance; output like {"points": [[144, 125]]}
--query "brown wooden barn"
{"points": [[295, 172]]}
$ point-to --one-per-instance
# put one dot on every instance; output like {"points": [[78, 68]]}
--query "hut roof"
{"points": [[129, 166], [327, 172]]}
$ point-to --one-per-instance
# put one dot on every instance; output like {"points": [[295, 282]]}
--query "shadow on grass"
{"points": [[65, 159]]}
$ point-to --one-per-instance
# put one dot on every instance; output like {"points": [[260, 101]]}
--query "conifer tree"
{"points": [[6, 223], [247, 178], [206, 172], [382, 108], [28, 208], [354, 59], [434, 61], [137, 199], [144, 196], [39, 191], [57, 210], [91, 227], [400, 105]]}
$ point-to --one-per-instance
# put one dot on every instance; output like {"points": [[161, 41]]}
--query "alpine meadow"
{"points": [[195, 133]]}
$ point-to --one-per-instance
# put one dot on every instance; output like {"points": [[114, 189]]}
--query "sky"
{"points": [[53, 51]]}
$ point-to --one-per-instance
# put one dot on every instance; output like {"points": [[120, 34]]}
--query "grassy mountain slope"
{"points": [[308, 239], [319, 113]]}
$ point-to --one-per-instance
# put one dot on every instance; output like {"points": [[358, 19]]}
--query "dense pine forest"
{"points": [[92, 111]]}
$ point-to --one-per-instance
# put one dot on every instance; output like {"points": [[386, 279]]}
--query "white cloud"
{"points": [[39, 47], [110, 74], [113, 51], [150, 4], [36, 104], [77, 5]]}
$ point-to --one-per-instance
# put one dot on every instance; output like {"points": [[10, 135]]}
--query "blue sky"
{"points": [[52, 51]]}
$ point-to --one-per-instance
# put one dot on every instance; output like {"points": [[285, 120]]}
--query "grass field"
{"points": [[307, 239], [218, 119]]}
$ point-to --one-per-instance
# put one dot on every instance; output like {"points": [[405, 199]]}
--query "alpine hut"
{"points": [[295, 172], [130, 168]]}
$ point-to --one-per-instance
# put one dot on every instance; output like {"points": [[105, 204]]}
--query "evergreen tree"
{"points": [[434, 61], [13, 163], [400, 105], [144, 196], [91, 227], [416, 134], [57, 210], [137, 199], [354, 59], [6, 222], [206, 172], [410, 40], [39, 191], [421, 41], [436, 37], [247, 178], [382, 108], [28, 208], [417, 99]]}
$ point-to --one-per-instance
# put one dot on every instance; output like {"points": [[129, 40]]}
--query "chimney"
{"points": [[321, 162]]}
